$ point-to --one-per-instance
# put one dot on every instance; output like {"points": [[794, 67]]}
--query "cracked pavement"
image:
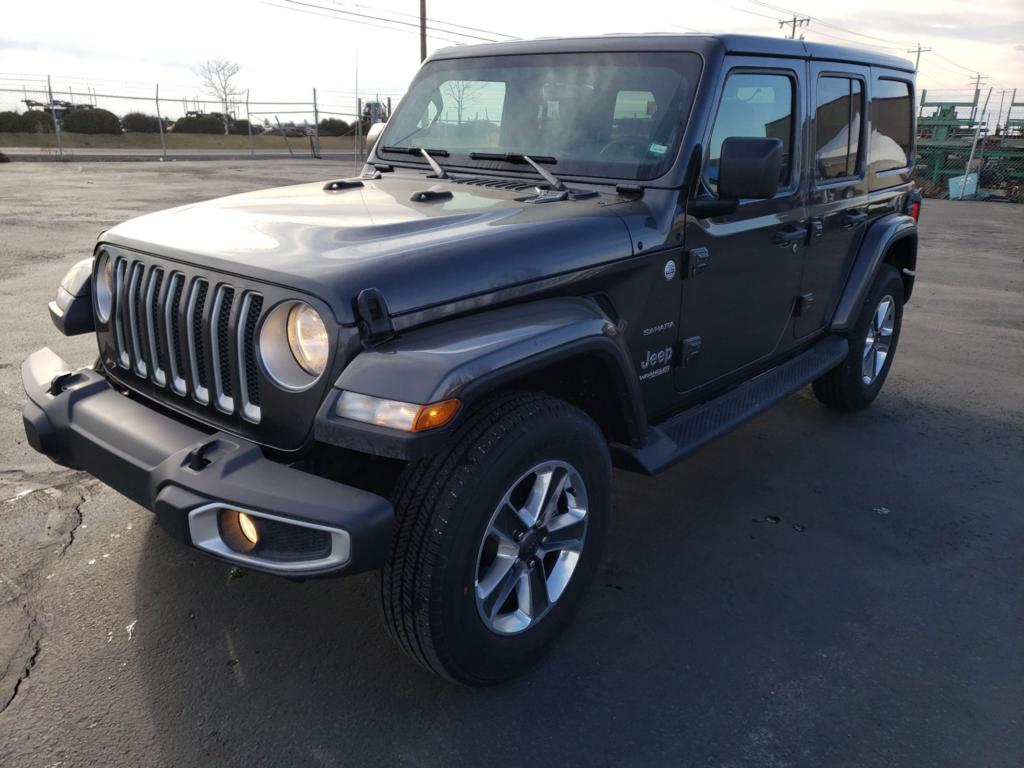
{"points": [[813, 589]]}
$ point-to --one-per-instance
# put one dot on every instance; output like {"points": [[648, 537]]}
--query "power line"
{"points": [[293, 9], [432, 20], [855, 42], [754, 13], [387, 20], [854, 32], [955, 64]]}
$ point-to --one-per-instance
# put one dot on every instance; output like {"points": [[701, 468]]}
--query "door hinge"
{"points": [[697, 260], [374, 318], [690, 349], [803, 304]]}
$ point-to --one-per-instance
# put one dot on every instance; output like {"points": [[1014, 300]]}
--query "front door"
{"points": [[838, 204], [737, 308]]}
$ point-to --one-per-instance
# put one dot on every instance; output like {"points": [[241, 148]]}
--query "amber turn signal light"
{"points": [[435, 415]]}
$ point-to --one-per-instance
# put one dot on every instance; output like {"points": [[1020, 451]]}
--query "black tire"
{"points": [[845, 387], [444, 507]]}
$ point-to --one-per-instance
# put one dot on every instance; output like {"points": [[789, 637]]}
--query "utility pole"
{"points": [[977, 93], [795, 23], [919, 50], [974, 145], [423, 30]]}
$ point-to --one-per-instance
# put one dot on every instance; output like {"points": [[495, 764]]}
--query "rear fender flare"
{"points": [[880, 237]]}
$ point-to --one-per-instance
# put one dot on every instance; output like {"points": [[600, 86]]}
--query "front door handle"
{"points": [[853, 218], [789, 235]]}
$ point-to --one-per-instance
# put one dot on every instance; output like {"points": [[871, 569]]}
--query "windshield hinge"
{"points": [[374, 318], [629, 190]]}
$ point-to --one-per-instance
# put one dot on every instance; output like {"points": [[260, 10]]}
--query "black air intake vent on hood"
{"points": [[517, 186]]}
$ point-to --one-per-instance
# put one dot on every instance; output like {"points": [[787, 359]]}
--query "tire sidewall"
{"points": [[480, 653], [887, 282]]}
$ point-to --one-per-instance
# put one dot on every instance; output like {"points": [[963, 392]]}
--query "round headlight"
{"points": [[307, 338], [104, 287]]}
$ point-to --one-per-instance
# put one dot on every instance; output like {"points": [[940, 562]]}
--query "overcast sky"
{"points": [[285, 49]]}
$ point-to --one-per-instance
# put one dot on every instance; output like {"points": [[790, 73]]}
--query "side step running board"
{"points": [[684, 433]]}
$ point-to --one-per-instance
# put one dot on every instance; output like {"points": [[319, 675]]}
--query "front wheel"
{"points": [[855, 382], [498, 539]]}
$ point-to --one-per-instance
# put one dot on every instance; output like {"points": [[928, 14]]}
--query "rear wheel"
{"points": [[498, 540], [855, 382]]}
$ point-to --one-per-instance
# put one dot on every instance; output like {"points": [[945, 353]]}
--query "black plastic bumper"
{"points": [[175, 470]]}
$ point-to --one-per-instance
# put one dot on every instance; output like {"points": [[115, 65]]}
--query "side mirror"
{"points": [[373, 133], [749, 168]]}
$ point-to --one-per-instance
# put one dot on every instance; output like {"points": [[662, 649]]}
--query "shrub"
{"points": [[138, 122], [240, 128], [10, 122], [199, 124], [332, 126], [36, 121], [91, 121]]}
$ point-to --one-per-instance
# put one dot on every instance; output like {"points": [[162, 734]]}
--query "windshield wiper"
{"points": [[439, 172], [513, 157]]}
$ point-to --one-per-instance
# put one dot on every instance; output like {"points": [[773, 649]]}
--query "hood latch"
{"points": [[374, 317]]}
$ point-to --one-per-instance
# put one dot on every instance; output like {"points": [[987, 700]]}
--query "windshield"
{"points": [[616, 115]]}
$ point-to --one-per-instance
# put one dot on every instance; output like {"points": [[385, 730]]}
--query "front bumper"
{"points": [[185, 475]]}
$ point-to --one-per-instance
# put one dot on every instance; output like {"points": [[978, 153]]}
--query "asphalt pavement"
{"points": [[814, 589]]}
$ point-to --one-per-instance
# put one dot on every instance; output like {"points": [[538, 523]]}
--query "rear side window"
{"points": [[756, 105], [840, 106], [892, 115]]}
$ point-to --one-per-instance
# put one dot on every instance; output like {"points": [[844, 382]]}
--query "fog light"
{"points": [[248, 528], [238, 530]]}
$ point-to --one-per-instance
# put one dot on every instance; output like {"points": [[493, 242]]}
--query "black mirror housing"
{"points": [[749, 168]]}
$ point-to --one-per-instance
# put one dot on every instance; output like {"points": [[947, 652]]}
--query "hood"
{"points": [[334, 243]]}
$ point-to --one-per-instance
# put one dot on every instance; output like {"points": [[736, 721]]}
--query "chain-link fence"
{"points": [[41, 117], [970, 145]]}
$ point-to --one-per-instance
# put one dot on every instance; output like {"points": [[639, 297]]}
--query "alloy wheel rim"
{"points": [[878, 340], [531, 547]]}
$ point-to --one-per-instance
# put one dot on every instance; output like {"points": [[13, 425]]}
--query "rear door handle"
{"points": [[853, 218], [789, 235]]}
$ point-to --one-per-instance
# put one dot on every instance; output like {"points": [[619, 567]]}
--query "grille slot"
{"points": [[172, 309], [220, 318], [153, 336], [136, 313], [120, 294], [194, 336], [248, 316], [196, 345]]}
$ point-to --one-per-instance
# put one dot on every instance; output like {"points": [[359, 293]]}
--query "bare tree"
{"points": [[218, 79], [461, 92]]}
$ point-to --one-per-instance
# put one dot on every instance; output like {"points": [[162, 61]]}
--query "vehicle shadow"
{"points": [[808, 590]]}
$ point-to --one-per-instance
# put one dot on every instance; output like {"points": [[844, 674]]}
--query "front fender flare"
{"points": [[877, 241], [470, 357]]}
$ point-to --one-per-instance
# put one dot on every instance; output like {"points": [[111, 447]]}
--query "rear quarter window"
{"points": [[892, 120]]}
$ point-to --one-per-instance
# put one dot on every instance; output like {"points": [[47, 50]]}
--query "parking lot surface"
{"points": [[814, 589]]}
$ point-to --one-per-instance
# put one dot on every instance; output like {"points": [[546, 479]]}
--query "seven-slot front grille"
{"points": [[195, 337]]}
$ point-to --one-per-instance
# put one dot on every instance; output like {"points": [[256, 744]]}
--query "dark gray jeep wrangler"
{"points": [[562, 256]]}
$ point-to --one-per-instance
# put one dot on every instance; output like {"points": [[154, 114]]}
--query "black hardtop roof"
{"points": [[751, 45]]}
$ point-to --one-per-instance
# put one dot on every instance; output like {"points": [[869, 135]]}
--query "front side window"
{"points": [[754, 105], [840, 104], [892, 116], [618, 115]]}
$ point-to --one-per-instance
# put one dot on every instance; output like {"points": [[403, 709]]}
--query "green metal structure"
{"points": [[944, 140]]}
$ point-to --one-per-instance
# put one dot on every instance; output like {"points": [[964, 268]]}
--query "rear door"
{"points": [[838, 204], [738, 308]]}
